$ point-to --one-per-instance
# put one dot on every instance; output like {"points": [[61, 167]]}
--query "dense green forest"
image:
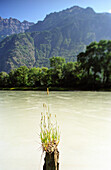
{"points": [[91, 71]]}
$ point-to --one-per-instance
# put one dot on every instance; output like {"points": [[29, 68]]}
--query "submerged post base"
{"points": [[51, 161]]}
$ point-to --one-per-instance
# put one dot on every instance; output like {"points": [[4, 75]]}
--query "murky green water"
{"points": [[85, 123]]}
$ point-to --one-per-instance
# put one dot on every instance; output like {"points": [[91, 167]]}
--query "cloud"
{"points": [[110, 11]]}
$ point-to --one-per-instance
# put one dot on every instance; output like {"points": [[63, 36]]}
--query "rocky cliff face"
{"points": [[12, 26]]}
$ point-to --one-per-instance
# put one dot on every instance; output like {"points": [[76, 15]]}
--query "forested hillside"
{"points": [[91, 71]]}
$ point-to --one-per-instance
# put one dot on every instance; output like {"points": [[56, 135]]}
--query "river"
{"points": [[85, 124]]}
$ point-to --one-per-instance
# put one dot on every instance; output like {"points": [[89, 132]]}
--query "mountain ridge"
{"points": [[75, 10], [12, 26]]}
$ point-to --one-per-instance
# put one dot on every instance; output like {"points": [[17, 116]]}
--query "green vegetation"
{"points": [[16, 50], [49, 134], [96, 65], [91, 71], [35, 49]]}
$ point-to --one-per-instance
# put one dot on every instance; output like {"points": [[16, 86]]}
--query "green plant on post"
{"points": [[50, 136]]}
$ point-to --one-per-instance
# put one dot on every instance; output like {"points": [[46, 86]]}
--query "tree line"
{"points": [[91, 71]]}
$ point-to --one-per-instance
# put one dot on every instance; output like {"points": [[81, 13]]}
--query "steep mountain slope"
{"points": [[12, 26], [82, 22], [16, 50], [64, 33]]}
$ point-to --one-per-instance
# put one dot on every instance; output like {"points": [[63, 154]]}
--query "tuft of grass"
{"points": [[50, 136]]}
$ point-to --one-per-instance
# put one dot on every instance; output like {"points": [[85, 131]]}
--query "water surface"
{"points": [[85, 123]]}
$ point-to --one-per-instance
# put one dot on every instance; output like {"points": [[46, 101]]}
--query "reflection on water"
{"points": [[85, 123]]}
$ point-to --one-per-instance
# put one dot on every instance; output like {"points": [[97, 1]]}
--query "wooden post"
{"points": [[51, 161]]}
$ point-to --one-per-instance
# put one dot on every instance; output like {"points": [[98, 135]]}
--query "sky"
{"points": [[36, 10]]}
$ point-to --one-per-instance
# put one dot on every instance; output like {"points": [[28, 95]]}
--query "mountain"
{"points": [[65, 33], [84, 24], [62, 18], [12, 26]]}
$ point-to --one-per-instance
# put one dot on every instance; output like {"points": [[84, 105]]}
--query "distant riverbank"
{"points": [[51, 89]]}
